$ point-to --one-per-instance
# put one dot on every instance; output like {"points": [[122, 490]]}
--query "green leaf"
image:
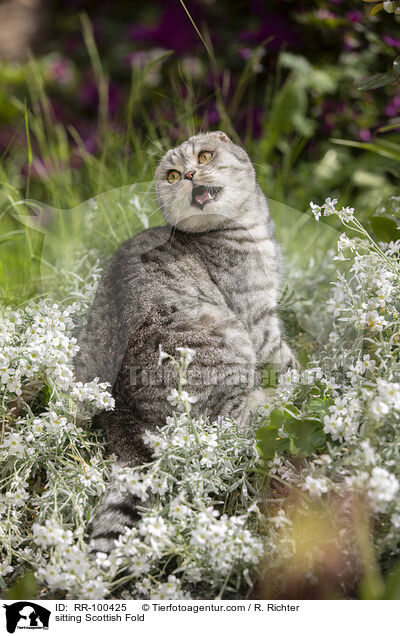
{"points": [[292, 411], [316, 405], [395, 124], [277, 419], [384, 149], [269, 442], [306, 436], [385, 229], [376, 8], [376, 81]]}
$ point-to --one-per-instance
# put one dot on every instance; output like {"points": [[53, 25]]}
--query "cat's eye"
{"points": [[205, 156], [173, 175]]}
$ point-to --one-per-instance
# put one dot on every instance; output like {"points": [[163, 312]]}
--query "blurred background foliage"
{"points": [[92, 93]]}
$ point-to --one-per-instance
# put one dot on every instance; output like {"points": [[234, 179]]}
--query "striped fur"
{"points": [[209, 281]]}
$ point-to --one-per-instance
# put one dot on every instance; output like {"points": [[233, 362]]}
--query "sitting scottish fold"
{"points": [[208, 280]]}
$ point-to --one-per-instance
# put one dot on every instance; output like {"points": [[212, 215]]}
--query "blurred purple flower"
{"points": [[365, 134], [328, 122], [173, 31], [393, 107], [9, 136], [225, 81], [276, 26], [87, 131], [245, 53], [251, 121], [350, 42], [212, 115], [88, 96], [59, 69], [41, 170], [58, 111], [395, 42], [324, 14], [354, 16], [115, 98], [138, 59]]}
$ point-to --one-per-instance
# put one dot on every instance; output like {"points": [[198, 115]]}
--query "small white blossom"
{"points": [[382, 488], [315, 486]]}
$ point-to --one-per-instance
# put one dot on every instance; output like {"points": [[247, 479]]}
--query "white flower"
{"points": [[38, 426], [5, 567], [389, 6], [368, 452], [143, 586], [346, 214], [169, 590], [162, 355], [329, 206], [315, 486], [382, 488], [187, 354], [368, 363], [393, 248], [94, 589], [344, 242], [334, 426], [316, 210], [139, 565], [180, 399], [135, 484], [199, 536], [102, 560], [14, 443], [17, 498], [183, 438], [208, 458], [387, 398], [52, 574], [178, 510], [55, 423]]}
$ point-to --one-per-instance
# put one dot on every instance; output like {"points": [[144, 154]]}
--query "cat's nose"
{"points": [[190, 174]]}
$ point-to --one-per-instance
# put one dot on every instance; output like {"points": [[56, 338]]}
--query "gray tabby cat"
{"points": [[208, 281]]}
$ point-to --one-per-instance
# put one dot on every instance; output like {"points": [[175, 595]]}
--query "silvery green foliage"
{"points": [[197, 530], [353, 386], [199, 511], [52, 472]]}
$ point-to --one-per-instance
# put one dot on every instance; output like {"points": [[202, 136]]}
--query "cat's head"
{"points": [[204, 183]]}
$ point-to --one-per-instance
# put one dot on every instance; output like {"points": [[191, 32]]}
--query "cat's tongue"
{"points": [[202, 196]]}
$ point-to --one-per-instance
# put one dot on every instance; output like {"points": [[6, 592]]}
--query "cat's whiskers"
{"points": [[177, 220]]}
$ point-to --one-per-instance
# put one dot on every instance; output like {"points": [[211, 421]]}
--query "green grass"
{"points": [[34, 255]]}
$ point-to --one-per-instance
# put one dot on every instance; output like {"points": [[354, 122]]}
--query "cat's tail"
{"points": [[118, 509]]}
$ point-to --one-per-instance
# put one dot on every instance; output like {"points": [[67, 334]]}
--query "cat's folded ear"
{"points": [[221, 135]]}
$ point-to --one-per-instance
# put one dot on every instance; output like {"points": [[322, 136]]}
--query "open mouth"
{"points": [[201, 195]]}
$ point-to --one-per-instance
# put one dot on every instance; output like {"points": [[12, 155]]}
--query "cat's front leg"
{"points": [[288, 359], [251, 403]]}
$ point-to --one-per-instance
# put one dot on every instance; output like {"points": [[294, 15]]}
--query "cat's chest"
{"points": [[245, 272]]}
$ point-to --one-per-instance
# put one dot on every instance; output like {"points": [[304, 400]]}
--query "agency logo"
{"points": [[26, 615]]}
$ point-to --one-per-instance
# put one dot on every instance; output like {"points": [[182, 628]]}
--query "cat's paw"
{"points": [[253, 401], [287, 358]]}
